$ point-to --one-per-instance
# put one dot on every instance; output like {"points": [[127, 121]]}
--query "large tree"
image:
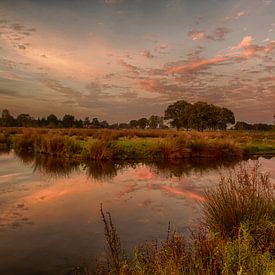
{"points": [[142, 123], [155, 122], [177, 114], [52, 120], [24, 120], [68, 121], [7, 119]]}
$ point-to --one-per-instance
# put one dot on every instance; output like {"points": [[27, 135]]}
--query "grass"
{"points": [[236, 237], [93, 144]]}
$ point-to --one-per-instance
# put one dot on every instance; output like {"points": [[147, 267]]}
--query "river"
{"points": [[50, 209]]}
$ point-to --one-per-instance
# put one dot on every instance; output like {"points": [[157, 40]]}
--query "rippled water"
{"points": [[49, 209]]}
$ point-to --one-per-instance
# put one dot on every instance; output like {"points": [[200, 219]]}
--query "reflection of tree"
{"points": [[179, 168], [102, 170], [50, 165]]}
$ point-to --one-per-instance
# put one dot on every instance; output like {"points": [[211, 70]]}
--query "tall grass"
{"points": [[246, 196], [236, 237], [136, 144]]}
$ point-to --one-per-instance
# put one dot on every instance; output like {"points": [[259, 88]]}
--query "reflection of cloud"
{"points": [[145, 203], [129, 189], [182, 193]]}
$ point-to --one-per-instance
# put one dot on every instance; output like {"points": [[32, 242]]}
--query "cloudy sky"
{"points": [[124, 59]]}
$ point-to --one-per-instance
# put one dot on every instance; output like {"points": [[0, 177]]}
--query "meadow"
{"points": [[105, 144]]}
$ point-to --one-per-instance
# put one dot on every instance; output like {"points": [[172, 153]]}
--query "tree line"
{"points": [[180, 115]]}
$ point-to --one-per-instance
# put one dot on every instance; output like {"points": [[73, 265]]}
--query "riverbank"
{"points": [[93, 144]]}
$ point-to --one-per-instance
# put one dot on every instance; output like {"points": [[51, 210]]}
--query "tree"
{"points": [[68, 121], [177, 114], [86, 122], [104, 124], [24, 120], [7, 119], [226, 116], [52, 120], [155, 122], [133, 123], [95, 123], [240, 125], [200, 116], [142, 123]]}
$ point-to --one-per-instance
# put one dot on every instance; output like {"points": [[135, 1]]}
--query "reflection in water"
{"points": [[102, 170], [49, 207]]}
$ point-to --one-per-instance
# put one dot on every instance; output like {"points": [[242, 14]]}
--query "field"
{"points": [[95, 144]]}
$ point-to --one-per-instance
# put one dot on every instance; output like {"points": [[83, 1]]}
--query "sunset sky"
{"points": [[125, 59]]}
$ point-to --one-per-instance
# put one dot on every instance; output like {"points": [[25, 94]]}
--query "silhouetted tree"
{"points": [[142, 123], [86, 122], [24, 120], [133, 123], [7, 119], [52, 120], [155, 122], [177, 114], [68, 121]]}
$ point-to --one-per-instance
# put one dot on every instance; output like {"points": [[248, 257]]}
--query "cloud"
{"points": [[8, 92], [113, 2], [150, 37], [217, 35], [240, 14], [195, 65], [128, 67], [57, 86], [147, 54], [250, 50]]}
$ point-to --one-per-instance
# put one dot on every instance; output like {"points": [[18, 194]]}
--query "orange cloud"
{"points": [[250, 49], [178, 192], [195, 65]]}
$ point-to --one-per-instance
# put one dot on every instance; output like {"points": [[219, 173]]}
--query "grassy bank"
{"points": [[87, 144], [237, 235]]}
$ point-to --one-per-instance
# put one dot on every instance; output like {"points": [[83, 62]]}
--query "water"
{"points": [[50, 209]]}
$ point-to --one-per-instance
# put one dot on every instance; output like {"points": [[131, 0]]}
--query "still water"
{"points": [[49, 209]]}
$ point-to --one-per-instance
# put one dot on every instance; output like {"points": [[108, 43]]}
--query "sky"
{"points": [[125, 59]]}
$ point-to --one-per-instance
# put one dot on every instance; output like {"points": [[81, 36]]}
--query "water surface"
{"points": [[49, 208]]}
